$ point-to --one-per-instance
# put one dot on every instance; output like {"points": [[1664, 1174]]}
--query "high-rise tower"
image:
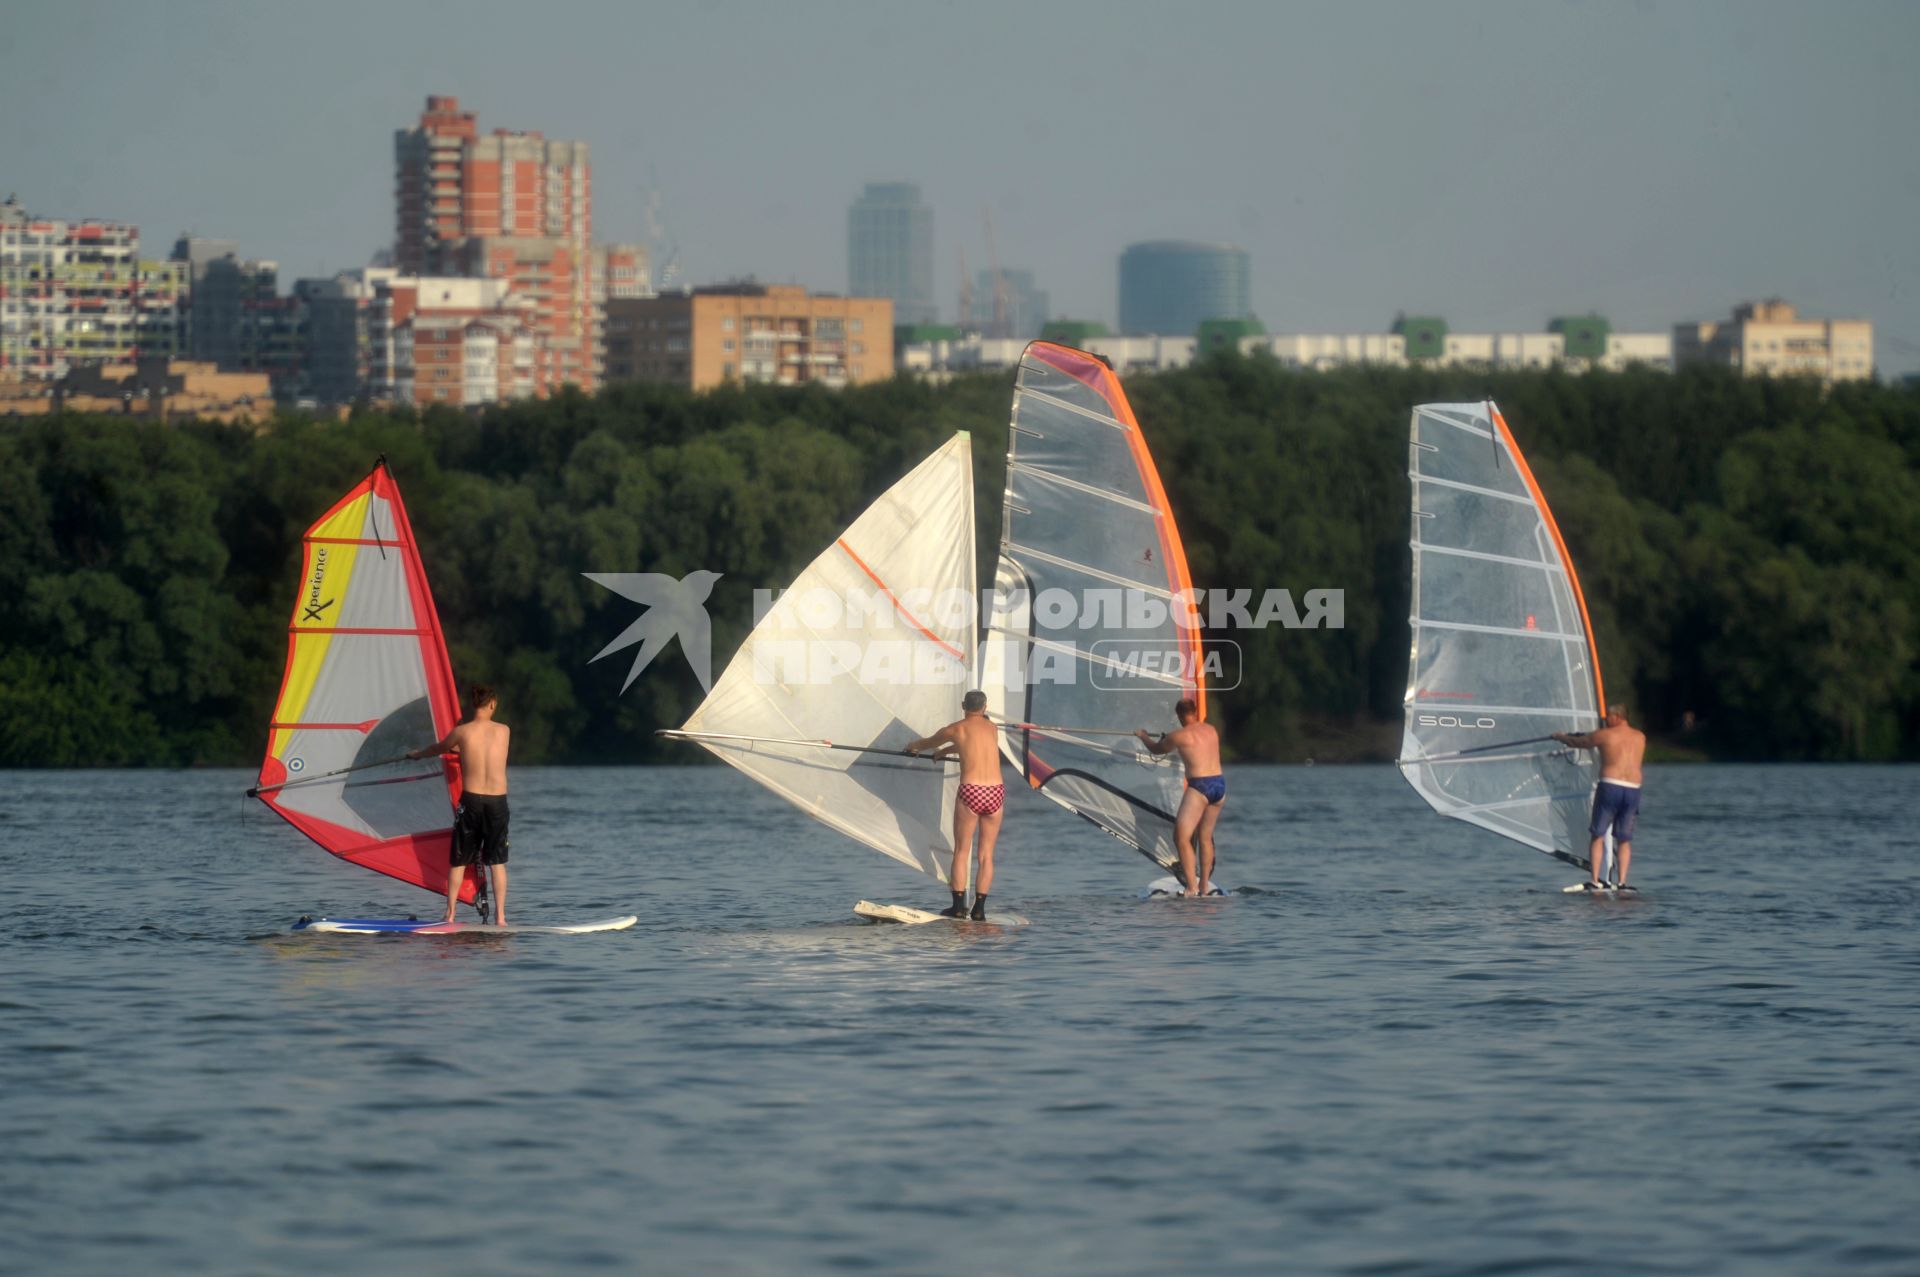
{"points": [[890, 250], [511, 206]]}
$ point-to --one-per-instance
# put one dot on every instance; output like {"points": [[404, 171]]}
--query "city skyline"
{"points": [[1497, 164]]}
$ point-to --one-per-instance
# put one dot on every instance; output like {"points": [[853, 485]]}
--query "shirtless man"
{"points": [[480, 821], [1616, 801], [979, 806], [1199, 746]]}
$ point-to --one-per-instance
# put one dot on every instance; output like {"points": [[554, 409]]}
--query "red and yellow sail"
{"points": [[367, 679]]}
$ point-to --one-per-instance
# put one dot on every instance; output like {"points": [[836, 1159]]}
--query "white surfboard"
{"points": [[416, 927], [1171, 886], [912, 917], [1605, 889]]}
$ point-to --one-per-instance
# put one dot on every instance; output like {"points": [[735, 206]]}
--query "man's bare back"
{"points": [[1199, 747], [977, 743], [1622, 748], [482, 746]]}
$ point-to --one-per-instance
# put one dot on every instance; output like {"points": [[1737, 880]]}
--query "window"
{"points": [[726, 346], [726, 324], [853, 325]]}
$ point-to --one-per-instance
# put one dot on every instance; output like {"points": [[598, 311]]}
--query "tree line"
{"points": [[1749, 548]]}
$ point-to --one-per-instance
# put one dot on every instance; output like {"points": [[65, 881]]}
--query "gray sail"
{"points": [[1502, 652]]}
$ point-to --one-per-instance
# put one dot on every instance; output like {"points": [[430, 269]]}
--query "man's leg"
{"points": [[1204, 837], [1623, 852], [499, 873], [1193, 804], [456, 875], [965, 821], [989, 834]]}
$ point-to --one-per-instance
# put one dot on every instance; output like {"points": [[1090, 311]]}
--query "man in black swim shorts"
{"points": [[480, 821]]}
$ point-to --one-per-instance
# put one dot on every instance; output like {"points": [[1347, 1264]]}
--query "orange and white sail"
{"points": [[1093, 632], [1503, 653], [820, 701], [367, 679]]}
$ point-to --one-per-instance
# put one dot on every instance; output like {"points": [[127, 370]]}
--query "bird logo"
{"points": [[674, 607]]}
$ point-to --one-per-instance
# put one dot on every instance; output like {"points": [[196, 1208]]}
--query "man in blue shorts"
{"points": [[1616, 800]]}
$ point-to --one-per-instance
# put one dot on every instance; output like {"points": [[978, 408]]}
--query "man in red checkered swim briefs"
{"points": [[975, 741]]}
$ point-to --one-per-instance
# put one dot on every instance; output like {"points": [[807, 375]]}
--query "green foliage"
{"points": [[1747, 548]]}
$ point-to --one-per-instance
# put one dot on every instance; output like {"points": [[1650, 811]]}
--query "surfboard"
{"points": [[1171, 887], [434, 927], [912, 917], [1609, 889]]}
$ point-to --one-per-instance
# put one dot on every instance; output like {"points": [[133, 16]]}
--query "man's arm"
{"points": [[945, 736], [1164, 744], [1579, 740], [449, 743]]}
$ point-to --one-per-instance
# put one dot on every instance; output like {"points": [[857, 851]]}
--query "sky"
{"points": [[1494, 162]]}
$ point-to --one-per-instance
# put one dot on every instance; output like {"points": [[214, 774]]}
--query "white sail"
{"points": [[1086, 514], [819, 692], [1502, 649]]}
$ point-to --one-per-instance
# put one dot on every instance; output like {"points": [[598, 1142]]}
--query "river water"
{"points": [[1408, 1053]]}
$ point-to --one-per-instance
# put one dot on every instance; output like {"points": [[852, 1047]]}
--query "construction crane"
{"points": [[1002, 325], [966, 291]]}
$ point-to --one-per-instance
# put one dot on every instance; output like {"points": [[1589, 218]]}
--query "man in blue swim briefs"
{"points": [[1206, 794], [1616, 800]]}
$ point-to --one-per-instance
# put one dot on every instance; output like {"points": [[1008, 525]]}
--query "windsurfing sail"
{"points": [[1503, 652], [1093, 633], [367, 679], [868, 650]]}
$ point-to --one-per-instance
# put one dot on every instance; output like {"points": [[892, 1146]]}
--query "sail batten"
{"points": [[830, 742], [367, 678], [1085, 513], [1500, 630]]}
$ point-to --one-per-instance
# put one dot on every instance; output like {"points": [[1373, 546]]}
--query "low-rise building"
{"points": [[153, 387], [750, 332], [455, 342], [1770, 338], [78, 293]]}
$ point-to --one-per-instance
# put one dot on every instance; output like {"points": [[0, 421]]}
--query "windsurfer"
{"points": [[980, 805], [480, 821], [1616, 800], [1206, 792]]}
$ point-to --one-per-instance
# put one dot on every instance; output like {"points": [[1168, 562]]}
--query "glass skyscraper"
{"points": [[890, 250], [1167, 287]]}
